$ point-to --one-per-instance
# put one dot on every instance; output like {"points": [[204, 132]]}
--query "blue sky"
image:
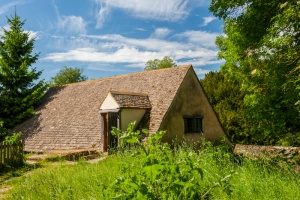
{"points": [[113, 37]]}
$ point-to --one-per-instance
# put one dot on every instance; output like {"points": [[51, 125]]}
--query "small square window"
{"points": [[192, 124]]}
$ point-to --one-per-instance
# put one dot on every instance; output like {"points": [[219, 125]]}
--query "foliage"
{"points": [[3, 131], [162, 175], [226, 97], [68, 75], [261, 49], [7, 136], [19, 90], [166, 62], [245, 179], [13, 139]]}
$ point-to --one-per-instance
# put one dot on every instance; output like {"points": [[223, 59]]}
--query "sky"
{"points": [[113, 37]]}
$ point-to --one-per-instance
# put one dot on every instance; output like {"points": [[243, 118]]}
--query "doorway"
{"points": [[110, 119]]}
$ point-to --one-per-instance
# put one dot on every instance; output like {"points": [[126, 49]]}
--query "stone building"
{"points": [[80, 115]]}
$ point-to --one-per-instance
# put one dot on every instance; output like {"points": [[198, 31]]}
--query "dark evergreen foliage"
{"points": [[226, 98], [19, 90]]}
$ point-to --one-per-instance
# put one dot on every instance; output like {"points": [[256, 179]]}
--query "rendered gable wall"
{"points": [[109, 103], [191, 100]]}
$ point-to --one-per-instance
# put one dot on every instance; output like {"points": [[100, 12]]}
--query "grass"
{"points": [[225, 176]]}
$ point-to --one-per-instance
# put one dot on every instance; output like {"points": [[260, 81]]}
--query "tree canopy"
{"points": [[226, 97], [166, 62], [19, 90], [262, 49], [68, 75]]}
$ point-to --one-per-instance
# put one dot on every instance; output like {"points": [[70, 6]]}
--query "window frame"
{"points": [[193, 123]]}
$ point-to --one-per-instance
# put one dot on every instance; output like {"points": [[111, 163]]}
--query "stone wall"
{"points": [[256, 151]]}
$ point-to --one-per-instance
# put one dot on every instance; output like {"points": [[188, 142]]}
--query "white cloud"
{"points": [[202, 38], [72, 24], [201, 61], [102, 14], [33, 35], [6, 7], [207, 20], [161, 33], [140, 29], [201, 72], [152, 44], [69, 24], [166, 10], [123, 55], [6, 27], [194, 47]]}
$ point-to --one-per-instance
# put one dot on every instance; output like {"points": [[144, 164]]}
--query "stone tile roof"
{"points": [[131, 100], [68, 117]]}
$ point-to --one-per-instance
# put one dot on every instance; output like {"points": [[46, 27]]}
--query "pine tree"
{"points": [[18, 91]]}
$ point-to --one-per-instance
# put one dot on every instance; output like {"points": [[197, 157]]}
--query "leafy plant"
{"points": [[224, 177], [13, 139], [162, 174]]}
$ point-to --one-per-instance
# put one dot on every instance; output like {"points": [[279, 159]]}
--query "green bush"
{"points": [[151, 170], [163, 173]]}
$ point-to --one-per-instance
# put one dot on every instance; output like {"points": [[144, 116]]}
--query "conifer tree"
{"points": [[19, 90], [227, 99]]}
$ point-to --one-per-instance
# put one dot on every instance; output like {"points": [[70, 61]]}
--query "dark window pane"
{"points": [[192, 124]]}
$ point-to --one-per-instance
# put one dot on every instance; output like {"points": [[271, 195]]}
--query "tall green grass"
{"points": [[224, 177]]}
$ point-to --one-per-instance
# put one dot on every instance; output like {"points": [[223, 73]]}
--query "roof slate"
{"points": [[131, 100], [68, 116]]}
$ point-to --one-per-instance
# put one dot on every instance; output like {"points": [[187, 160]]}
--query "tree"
{"points": [[262, 49], [226, 97], [68, 75], [19, 90], [166, 62]]}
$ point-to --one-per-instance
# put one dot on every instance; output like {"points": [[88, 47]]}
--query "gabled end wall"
{"points": [[191, 100]]}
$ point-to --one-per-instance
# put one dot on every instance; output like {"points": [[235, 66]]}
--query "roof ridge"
{"points": [[128, 93], [122, 75]]}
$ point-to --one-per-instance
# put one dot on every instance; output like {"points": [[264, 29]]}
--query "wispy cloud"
{"points": [[166, 10], [72, 24], [161, 33], [203, 38], [201, 72], [123, 55], [140, 29], [69, 24], [207, 20], [195, 47], [102, 14], [5, 8], [33, 35]]}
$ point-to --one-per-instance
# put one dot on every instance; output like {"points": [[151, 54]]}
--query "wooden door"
{"points": [[105, 131], [112, 122]]}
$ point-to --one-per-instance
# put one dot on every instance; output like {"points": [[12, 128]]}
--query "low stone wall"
{"points": [[271, 151]]}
